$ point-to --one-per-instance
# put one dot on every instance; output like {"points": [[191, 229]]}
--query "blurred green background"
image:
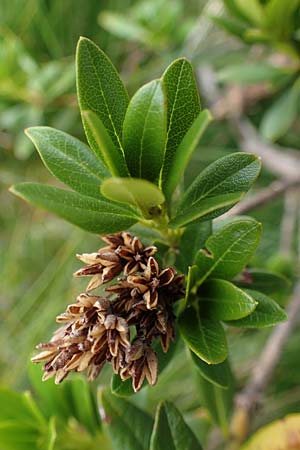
{"points": [[37, 87]]}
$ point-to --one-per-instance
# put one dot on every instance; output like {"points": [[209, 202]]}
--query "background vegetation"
{"points": [[248, 70]]}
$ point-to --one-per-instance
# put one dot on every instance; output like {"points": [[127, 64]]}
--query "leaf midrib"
{"points": [[104, 99], [224, 254]]}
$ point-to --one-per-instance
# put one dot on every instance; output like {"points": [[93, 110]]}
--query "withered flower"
{"points": [[150, 281], [124, 252], [95, 330]]}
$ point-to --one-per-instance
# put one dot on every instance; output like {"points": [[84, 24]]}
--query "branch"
{"points": [[276, 189], [251, 396]]}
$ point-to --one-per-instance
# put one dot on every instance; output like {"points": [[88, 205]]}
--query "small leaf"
{"points": [[279, 17], [191, 280], [129, 427], [218, 401], [133, 191], [222, 300], [266, 314], [280, 116], [125, 389], [205, 337], [231, 25], [170, 430], [223, 181], [183, 106], [185, 150], [259, 72], [281, 434], [96, 216], [144, 131], [192, 240], [228, 250], [217, 374], [105, 149], [252, 9], [263, 281], [68, 159], [100, 90]]}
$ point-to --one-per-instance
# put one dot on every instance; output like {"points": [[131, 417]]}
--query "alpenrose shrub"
{"points": [[187, 275]]}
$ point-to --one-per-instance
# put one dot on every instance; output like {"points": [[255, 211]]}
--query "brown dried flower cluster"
{"points": [[95, 329]]}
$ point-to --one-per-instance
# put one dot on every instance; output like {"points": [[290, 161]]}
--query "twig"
{"points": [[276, 189], [248, 400]]}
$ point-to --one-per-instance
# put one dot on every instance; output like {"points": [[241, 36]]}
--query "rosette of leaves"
{"points": [[274, 25], [131, 172]]}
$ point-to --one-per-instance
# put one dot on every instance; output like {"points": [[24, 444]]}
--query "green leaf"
{"points": [[217, 188], [231, 25], [263, 280], [133, 191], [207, 209], [15, 406], [191, 280], [18, 436], [252, 10], [218, 401], [53, 399], [185, 150], [217, 374], [279, 17], [183, 106], [247, 73], [266, 314], [100, 90], [223, 300], [105, 148], [228, 250], [192, 240], [52, 434], [283, 112], [205, 337], [90, 214], [170, 430], [68, 159], [124, 388], [83, 403], [144, 131], [129, 427]]}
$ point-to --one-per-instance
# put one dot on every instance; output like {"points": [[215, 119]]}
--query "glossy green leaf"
{"points": [[144, 131], [128, 426], [125, 389], [90, 214], [192, 240], [228, 250], [266, 314], [100, 90], [222, 300], [133, 191], [217, 188], [263, 280], [185, 150], [281, 115], [218, 401], [183, 106], [170, 430], [217, 374], [207, 209], [68, 159], [259, 72], [205, 337], [105, 147]]}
